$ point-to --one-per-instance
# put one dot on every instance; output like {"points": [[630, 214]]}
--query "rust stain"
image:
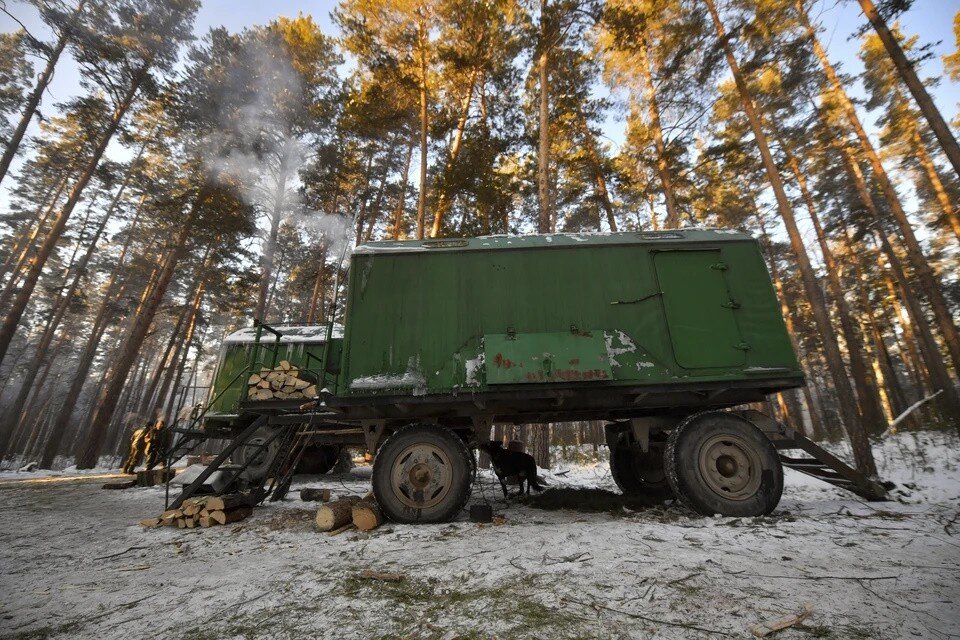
{"points": [[503, 363]]}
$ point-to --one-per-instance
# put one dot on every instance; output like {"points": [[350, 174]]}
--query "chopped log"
{"points": [[193, 507], [334, 515], [300, 384], [315, 495], [181, 523], [231, 515], [285, 365], [227, 502], [150, 523], [207, 521], [293, 372], [254, 379], [171, 514], [367, 516], [262, 394], [310, 392], [126, 484], [263, 384], [190, 523], [288, 388]]}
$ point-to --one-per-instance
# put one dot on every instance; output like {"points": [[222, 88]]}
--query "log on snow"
{"points": [[126, 484], [227, 502], [367, 516], [334, 515], [315, 495], [231, 515]]}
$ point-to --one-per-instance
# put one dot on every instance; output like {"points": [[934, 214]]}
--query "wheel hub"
{"points": [[730, 467], [421, 476]]}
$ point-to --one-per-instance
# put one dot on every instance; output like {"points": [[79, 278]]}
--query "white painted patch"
{"points": [[617, 343], [473, 368]]}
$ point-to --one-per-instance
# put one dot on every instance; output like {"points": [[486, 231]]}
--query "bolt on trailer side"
{"points": [[562, 326]]}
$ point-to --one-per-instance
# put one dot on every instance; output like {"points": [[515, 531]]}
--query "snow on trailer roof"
{"points": [[588, 238], [292, 334]]}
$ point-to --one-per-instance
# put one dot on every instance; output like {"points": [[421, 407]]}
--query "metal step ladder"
{"points": [[819, 463], [235, 472]]}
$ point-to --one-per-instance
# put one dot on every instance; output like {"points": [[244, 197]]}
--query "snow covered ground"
{"points": [[74, 564]]}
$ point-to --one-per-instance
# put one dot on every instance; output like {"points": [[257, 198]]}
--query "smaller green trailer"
{"points": [[665, 336]]}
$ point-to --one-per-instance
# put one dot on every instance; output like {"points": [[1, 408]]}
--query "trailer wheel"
{"points": [[638, 474], [260, 459], [720, 463], [422, 473]]}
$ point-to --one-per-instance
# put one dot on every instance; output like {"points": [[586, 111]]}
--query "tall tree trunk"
{"points": [[907, 347], [603, 195], [909, 76], [107, 400], [867, 398], [848, 405], [424, 130], [14, 413], [20, 301], [935, 365], [18, 261], [317, 292], [24, 239], [443, 199], [33, 100], [653, 110], [397, 230], [168, 358], [785, 309], [933, 177], [543, 151], [270, 244], [175, 382], [924, 273], [172, 379], [62, 419]]}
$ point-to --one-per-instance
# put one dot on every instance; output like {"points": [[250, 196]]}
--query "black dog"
{"points": [[512, 463]]}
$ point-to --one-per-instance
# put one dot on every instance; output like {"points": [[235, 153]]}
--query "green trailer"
{"points": [[665, 336]]}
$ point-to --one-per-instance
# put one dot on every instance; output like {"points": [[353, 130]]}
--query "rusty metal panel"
{"points": [[579, 356]]}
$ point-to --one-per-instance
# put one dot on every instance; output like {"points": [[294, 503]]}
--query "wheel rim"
{"points": [[422, 476], [252, 452], [730, 467]]}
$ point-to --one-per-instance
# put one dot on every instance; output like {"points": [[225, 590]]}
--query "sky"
{"points": [[931, 19]]}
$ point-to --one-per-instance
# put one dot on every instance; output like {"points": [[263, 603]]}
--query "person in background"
{"points": [[138, 445], [159, 440]]}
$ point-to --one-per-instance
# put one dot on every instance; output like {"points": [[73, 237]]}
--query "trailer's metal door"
{"points": [[699, 309]]}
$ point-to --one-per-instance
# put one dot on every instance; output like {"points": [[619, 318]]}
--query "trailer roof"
{"points": [[554, 240], [292, 333]]}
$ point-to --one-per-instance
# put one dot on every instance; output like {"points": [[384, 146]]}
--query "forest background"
{"points": [[172, 169]]}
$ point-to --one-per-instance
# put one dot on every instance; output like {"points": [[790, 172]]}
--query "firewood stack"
{"points": [[280, 383], [205, 511]]}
